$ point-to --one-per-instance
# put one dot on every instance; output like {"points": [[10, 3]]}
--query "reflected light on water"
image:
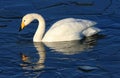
{"points": [[67, 48], [40, 63], [73, 47]]}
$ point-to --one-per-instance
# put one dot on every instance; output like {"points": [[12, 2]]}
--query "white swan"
{"points": [[64, 30]]}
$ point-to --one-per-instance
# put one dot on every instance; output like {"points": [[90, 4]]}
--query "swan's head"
{"points": [[27, 19]]}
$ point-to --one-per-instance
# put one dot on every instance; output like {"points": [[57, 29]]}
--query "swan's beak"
{"points": [[24, 57], [22, 26]]}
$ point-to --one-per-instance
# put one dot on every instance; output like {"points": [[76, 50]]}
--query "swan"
{"points": [[67, 29]]}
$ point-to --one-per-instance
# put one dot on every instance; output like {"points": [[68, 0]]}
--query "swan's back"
{"points": [[69, 29], [76, 22]]}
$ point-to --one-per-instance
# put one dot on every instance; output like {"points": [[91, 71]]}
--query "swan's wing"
{"points": [[91, 31], [67, 29], [79, 22], [62, 33]]}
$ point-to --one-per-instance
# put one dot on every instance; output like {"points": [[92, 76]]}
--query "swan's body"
{"points": [[64, 30]]}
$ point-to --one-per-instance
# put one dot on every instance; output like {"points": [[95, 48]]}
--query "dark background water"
{"points": [[95, 57]]}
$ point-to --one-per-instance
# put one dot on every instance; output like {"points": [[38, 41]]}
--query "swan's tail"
{"points": [[91, 31]]}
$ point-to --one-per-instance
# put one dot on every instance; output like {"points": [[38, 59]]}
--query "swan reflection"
{"points": [[68, 48], [29, 65], [72, 47]]}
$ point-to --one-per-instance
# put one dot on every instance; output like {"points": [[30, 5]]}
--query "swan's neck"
{"points": [[40, 30]]}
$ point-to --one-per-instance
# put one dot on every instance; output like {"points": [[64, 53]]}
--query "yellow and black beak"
{"points": [[22, 26]]}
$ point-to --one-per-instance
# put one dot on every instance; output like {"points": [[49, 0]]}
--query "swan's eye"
{"points": [[24, 21]]}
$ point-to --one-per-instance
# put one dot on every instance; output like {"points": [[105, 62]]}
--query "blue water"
{"points": [[93, 57]]}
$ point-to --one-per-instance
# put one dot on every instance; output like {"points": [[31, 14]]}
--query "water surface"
{"points": [[92, 57]]}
